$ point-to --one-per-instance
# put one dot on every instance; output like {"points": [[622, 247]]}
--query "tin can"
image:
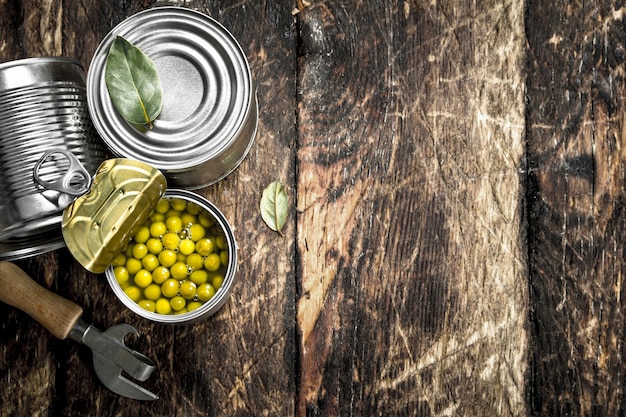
{"points": [[209, 116], [222, 294], [45, 131]]}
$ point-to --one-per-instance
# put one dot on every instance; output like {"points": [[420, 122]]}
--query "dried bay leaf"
{"points": [[274, 206], [133, 83]]}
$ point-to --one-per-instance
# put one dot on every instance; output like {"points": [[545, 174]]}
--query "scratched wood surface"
{"points": [[576, 150], [409, 197], [454, 241]]}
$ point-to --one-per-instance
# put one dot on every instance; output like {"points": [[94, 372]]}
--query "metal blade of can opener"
{"points": [[63, 319]]}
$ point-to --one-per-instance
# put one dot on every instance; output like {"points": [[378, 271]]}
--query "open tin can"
{"points": [[195, 307], [209, 117], [103, 225]]}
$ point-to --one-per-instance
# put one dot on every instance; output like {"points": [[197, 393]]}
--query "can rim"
{"points": [[20, 247], [39, 60], [42, 71]]}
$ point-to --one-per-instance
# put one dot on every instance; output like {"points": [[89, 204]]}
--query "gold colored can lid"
{"points": [[98, 225]]}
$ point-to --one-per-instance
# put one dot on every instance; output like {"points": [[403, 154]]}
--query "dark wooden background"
{"points": [[455, 240]]}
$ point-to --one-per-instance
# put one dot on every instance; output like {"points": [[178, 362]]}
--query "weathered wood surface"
{"points": [[454, 245], [575, 194], [412, 265]]}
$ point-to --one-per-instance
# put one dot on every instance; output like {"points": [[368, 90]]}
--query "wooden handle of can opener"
{"points": [[52, 311]]}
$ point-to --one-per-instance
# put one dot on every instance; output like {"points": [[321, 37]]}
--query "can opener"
{"points": [[62, 318]]}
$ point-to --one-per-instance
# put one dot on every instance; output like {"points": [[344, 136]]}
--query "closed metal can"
{"points": [[45, 133], [209, 116]]}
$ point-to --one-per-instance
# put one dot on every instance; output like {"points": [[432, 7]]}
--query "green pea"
{"points": [[148, 305], [170, 287], [212, 262], [188, 290], [205, 292], [178, 303]]}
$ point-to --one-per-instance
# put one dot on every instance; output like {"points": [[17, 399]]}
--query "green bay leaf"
{"points": [[133, 83], [274, 206]]}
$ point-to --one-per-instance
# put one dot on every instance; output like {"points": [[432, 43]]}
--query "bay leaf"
{"points": [[274, 206], [133, 83]]}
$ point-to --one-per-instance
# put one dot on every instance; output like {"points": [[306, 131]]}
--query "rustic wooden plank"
{"points": [[416, 138], [412, 262], [9, 30], [576, 150], [254, 372], [240, 361]]}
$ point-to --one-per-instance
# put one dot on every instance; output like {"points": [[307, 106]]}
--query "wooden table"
{"points": [[454, 245]]}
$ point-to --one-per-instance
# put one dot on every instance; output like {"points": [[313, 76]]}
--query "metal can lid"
{"points": [[98, 225], [207, 86]]}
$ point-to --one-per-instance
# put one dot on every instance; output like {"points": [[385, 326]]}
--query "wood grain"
{"points": [[9, 32], [455, 240], [576, 151], [412, 266], [57, 314]]}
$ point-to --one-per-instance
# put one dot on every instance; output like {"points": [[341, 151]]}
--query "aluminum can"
{"points": [[210, 111], [45, 131]]}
